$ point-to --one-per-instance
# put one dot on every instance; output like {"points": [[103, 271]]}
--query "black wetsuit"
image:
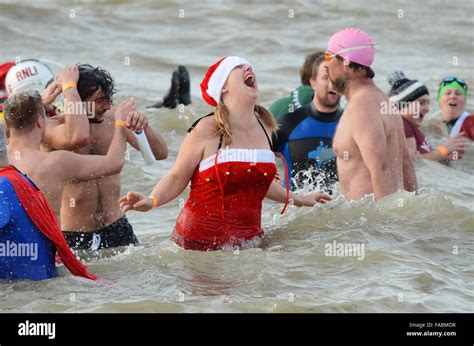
{"points": [[305, 138]]}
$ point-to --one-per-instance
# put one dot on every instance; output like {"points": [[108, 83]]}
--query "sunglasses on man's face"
{"points": [[448, 80], [329, 56]]}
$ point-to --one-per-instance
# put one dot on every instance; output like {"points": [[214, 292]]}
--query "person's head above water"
{"points": [[24, 113], [350, 54], [411, 97], [229, 84], [3, 147], [96, 85], [452, 94], [307, 70], [232, 76], [324, 94]]}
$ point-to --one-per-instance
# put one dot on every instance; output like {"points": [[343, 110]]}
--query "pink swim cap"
{"points": [[353, 44]]}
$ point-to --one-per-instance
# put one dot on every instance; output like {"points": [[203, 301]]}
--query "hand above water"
{"points": [[49, 95], [67, 74], [456, 146], [136, 121], [124, 109], [135, 201], [310, 199]]}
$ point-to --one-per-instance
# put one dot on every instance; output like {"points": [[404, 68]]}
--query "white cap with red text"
{"points": [[28, 75]]}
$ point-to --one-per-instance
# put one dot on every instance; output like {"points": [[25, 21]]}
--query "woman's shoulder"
{"points": [[204, 127], [265, 123]]}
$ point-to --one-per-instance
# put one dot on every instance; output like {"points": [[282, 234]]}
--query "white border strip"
{"points": [[238, 155]]}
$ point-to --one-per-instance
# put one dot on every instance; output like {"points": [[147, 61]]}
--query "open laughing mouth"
{"points": [[249, 81], [453, 104]]}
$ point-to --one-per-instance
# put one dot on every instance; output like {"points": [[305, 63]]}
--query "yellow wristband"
{"points": [[68, 85], [443, 151], [154, 202], [119, 122]]}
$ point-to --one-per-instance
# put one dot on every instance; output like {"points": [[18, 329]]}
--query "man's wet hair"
{"points": [[306, 71], [21, 110], [315, 67], [369, 73], [91, 79]]}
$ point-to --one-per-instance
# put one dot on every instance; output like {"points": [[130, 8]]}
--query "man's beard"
{"points": [[96, 121], [340, 85], [327, 103]]}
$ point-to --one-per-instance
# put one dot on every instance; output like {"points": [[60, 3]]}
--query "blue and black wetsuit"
{"points": [[305, 138], [25, 253]]}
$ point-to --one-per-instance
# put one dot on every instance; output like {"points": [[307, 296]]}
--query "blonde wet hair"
{"points": [[222, 116]]}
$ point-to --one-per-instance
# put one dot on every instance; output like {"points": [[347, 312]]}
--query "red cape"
{"points": [[37, 207]]}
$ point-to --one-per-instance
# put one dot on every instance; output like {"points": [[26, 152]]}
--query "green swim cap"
{"points": [[454, 84]]}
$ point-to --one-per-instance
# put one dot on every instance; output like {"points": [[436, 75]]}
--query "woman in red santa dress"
{"points": [[228, 157]]}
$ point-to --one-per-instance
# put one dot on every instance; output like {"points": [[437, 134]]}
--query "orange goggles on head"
{"points": [[329, 56]]}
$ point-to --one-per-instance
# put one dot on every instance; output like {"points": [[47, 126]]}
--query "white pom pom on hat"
{"points": [[394, 76]]}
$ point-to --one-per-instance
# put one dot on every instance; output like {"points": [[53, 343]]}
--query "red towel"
{"points": [[41, 214]]}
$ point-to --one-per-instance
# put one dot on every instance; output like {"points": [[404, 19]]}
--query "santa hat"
{"points": [[216, 76], [4, 68]]}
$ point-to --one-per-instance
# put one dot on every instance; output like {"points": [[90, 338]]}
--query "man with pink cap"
{"points": [[372, 156]]}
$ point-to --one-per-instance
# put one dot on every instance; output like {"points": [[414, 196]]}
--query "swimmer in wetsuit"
{"points": [[452, 95], [305, 136]]}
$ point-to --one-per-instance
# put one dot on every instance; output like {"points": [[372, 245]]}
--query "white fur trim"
{"points": [[220, 75], [238, 155]]}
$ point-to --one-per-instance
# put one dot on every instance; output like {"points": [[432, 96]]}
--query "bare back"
{"points": [[42, 169]]}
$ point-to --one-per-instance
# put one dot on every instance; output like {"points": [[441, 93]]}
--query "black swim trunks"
{"points": [[119, 233]]}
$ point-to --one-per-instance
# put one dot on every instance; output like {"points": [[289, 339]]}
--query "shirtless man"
{"points": [[25, 116], [90, 214], [372, 156]]}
